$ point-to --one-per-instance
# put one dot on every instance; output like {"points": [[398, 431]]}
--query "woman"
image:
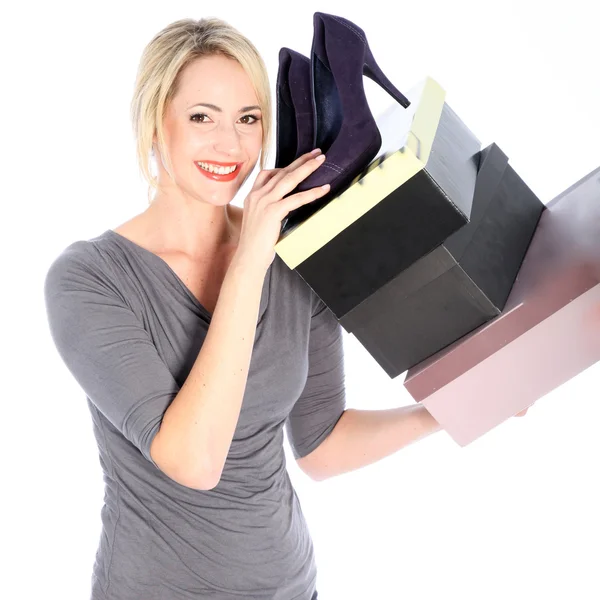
{"points": [[195, 345]]}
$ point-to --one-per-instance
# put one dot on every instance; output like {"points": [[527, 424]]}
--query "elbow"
{"points": [[206, 476], [195, 477], [318, 477], [206, 481], [200, 480], [312, 467], [197, 481], [314, 472]]}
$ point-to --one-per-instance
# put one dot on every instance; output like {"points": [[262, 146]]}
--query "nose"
{"points": [[227, 139]]}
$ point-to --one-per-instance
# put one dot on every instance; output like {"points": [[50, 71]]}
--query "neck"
{"points": [[193, 228]]}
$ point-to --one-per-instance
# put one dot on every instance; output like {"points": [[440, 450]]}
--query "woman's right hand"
{"points": [[265, 207]]}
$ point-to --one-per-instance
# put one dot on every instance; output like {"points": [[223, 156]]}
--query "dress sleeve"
{"points": [[105, 347], [323, 400]]}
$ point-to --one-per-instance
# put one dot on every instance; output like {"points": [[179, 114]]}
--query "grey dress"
{"points": [[129, 330]]}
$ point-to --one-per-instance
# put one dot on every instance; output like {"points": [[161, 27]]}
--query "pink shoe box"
{"points": [[548, 332]]}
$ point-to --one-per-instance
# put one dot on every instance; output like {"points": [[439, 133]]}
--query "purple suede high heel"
{"points": [[295, 120], [344, 127]]}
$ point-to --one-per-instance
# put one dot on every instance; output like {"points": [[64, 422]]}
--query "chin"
{"points": [[219, 197]]}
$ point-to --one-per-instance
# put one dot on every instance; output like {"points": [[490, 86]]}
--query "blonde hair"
{"points": [[157, 80]]}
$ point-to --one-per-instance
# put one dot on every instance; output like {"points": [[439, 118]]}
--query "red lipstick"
{"points": [[216, 176]]}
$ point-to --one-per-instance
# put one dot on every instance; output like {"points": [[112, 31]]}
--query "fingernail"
{"points": [[320, 157], [325, 187], [316, 151]]}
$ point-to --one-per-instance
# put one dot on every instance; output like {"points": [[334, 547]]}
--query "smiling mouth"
{"points": [[219, 171]]}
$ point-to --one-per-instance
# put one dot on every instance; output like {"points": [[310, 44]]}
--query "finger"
{"points": [[301, 160], [263, 177], [296, 200], [290, 181]]}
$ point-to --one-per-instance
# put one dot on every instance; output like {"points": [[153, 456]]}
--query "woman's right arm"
{"points": [[182, 429], [185, 431], [197, 429]]}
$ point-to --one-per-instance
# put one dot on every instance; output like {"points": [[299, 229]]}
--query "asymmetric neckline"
{"points": [[167, 267]]}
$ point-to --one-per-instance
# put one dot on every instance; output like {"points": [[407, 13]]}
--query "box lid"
{"points": [[492, 164]]}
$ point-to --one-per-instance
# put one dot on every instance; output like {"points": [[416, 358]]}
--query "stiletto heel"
{"points": [[295, 121], [372, 71], [344, 127]]}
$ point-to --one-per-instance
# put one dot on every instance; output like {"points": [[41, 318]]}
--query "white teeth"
{"points": [[216, 169]]}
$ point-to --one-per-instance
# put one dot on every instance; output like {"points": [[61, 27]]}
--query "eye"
{"points": [[255, 117], [199, 115]]}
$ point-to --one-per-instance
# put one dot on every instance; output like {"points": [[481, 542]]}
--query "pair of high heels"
{"points": [[321, 103]]}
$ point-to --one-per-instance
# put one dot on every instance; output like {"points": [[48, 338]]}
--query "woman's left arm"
{"points": [[329, 439], [362, 437]]}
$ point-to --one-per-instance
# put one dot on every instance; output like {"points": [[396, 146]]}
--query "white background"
{"points": [[512, 515]]}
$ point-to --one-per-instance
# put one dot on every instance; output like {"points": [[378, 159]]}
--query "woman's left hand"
{"points": [[523, 412]]}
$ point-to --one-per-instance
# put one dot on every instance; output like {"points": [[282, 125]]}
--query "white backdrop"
{"points": [[514, 514]]}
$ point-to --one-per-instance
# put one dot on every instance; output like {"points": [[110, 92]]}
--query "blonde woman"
{"points": [[195, 346]]}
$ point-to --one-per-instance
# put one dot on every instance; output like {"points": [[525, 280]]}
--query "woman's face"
{"points": [[213, 130]]}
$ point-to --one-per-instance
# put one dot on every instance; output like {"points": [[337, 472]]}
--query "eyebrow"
{"points": [[218, 109]]}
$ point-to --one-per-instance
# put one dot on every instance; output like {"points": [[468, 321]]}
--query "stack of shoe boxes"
{"points": [[425, 245]]}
